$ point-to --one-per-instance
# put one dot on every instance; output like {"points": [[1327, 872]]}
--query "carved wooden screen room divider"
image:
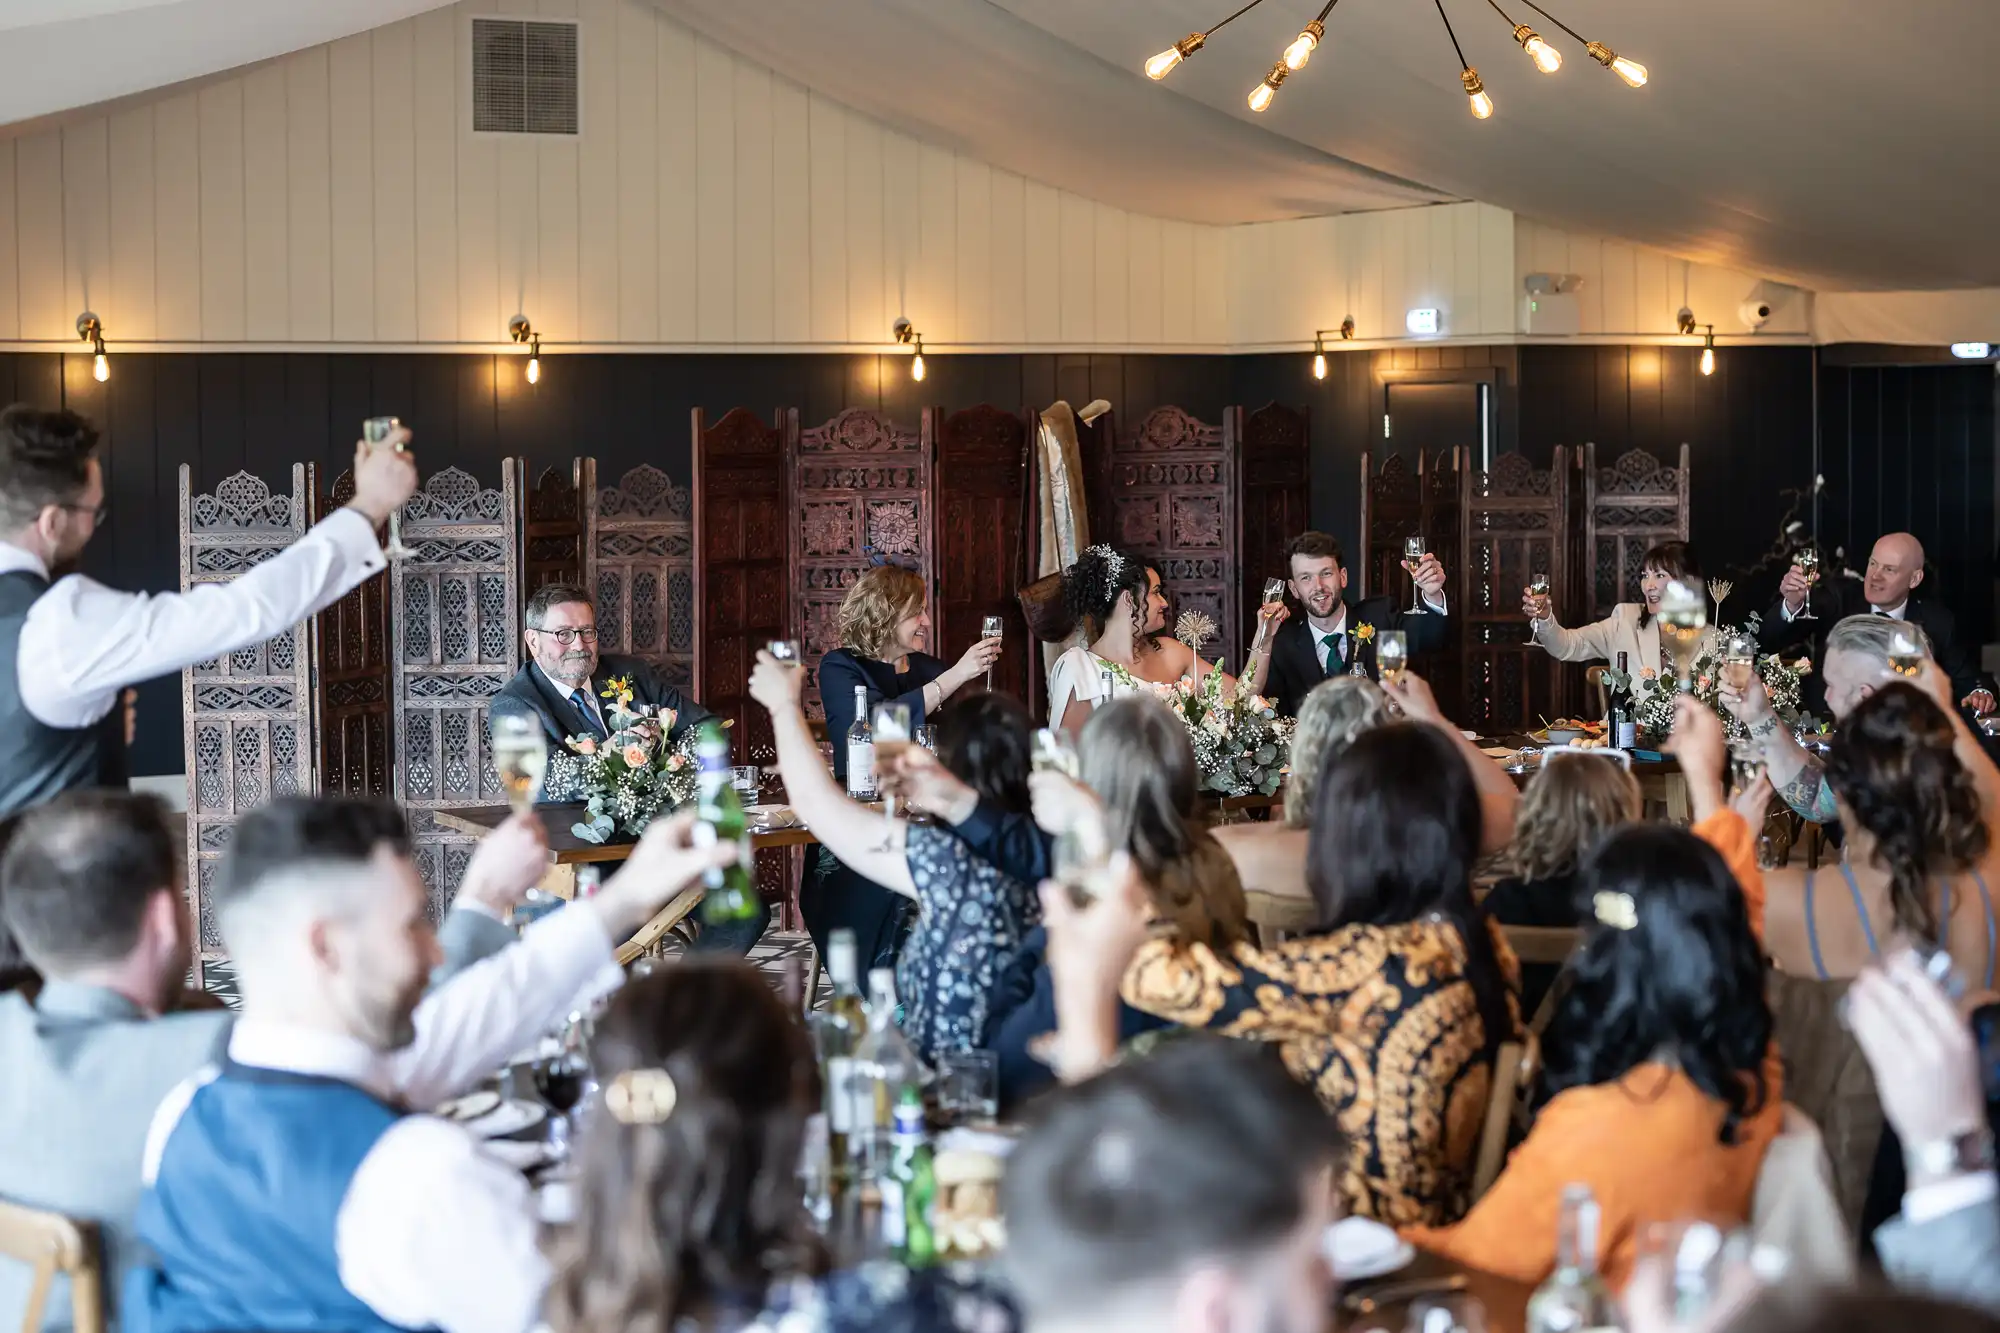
{"points": [[1516, 526], [1634, 504]]}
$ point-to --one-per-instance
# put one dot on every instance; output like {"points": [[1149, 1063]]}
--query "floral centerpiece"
{"points": [[1241, 745], [1653, 699], [631, 776]]}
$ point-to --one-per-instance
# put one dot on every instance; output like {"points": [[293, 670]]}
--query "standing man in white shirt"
{"points": [[69, 645]]}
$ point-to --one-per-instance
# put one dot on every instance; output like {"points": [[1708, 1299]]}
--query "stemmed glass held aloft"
{"points": [[1413, 556], [375, 433]]}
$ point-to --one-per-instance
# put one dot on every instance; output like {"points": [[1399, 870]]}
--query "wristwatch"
{"points": [[1961, 1155]]}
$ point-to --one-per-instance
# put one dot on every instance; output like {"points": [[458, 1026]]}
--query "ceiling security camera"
{"points": [[1756, 313]]}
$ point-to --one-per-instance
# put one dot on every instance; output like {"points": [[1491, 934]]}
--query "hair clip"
{"points": [[641, 1097], [1616, 910]]}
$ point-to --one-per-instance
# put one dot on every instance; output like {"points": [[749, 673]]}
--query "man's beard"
{"points": [[575, 668], [1315, 606], [388, 1023]]}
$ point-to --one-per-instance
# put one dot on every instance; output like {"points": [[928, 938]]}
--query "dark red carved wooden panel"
{"points": [[552, 547], [352, 682], [1169, 495], [742, 587], [1628, 508], [859, 481], [1515, 526], [982, 478], [1276, 498]]}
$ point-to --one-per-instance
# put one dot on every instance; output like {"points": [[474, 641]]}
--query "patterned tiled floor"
{"points": [[776, 955]]}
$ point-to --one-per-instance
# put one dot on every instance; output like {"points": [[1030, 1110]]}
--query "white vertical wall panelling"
{"points": [[176, 224], [1498, 283], [791, 213], [308, 200], [1042, 257], [638, 220], [972, 217], [715, 193], [1007, 294], [756, 292], [10, 292], [674, 139], [935, 266], [351, 92], [868, 316], [222, 187], [1615, 307], [1076, 255], [1656, 292], [1464, 261], [824, 190], [597, 175], [902, 230], [394, 160], [435, 162], [266, 272], [1146, 281], [38, 171], [86, 207], [1114, 278], [479, 210], [1177, 281]]}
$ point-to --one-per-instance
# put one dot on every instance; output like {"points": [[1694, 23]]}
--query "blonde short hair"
{"points": [[1332, 714], [875, 605], [1568, 807]]}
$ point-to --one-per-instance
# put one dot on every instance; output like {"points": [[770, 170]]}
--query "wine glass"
{"points": [[1053, 752], [1080, 858], [1274, 595], [375, 432], [1392, 655], [1683, 616], [1739, 662], [891, 722], [1413, 555], [1906, 654], [1807, 561], [520, 757], [785, 652], [1538, 587], [993, 627], [926, 737]]}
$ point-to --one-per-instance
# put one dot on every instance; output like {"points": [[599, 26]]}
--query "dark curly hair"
{"points": [[675, 1218], [1686, 977], [1091, 587], [1892, 763], [983, 738]]}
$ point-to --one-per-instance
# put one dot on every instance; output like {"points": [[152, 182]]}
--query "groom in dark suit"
{"points": [[1331, 640]]}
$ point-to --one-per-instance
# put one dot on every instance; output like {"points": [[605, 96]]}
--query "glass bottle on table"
{"points": [[837, 1032], [861, 750], [1621, 723], [731, 893], [909, 1189], [884, 1064], [1573, 1299]]}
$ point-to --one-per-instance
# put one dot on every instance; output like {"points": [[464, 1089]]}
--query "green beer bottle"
{"points": [[910, 1192], [731, 894]]}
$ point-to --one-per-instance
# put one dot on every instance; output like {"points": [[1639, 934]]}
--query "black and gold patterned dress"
{"points": [[1381, 1022]]}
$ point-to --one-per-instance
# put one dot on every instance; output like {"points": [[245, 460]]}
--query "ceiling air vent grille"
{"points": [[524, 76]]}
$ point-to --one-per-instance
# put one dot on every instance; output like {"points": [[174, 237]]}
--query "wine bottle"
{"points": [[1574, 1298], [731, 894], [910, 1188], [1621, 721], [883, 1064], [861, 750], [838, 1030]]}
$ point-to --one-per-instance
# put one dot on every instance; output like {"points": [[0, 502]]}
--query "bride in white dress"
{"points": [[1117, 598]]}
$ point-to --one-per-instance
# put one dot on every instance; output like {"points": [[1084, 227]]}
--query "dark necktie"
{"points": [[590, 722]]}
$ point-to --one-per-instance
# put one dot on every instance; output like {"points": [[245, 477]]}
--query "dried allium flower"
{"points": [[1195, 629]]}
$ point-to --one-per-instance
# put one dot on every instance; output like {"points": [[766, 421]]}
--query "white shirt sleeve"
{"points": [[469, 1026], [433, 1233], [1436, 603], [83, 642]]}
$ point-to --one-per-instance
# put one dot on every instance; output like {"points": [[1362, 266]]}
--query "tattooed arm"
{"points": [[1800, 777]]}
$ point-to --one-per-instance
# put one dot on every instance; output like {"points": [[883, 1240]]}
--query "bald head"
{"points": [[1895, 566]]}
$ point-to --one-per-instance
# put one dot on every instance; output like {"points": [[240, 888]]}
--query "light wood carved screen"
{"points": [[1636, 503], [1516, 526], [982, 480], [246, 717], [456, 613], [639, 540], [1276, 496], [861, 487], [1168, 493], [353, 719]]}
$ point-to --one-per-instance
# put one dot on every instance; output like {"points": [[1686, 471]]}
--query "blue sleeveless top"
{"points": [[1868, 931]]}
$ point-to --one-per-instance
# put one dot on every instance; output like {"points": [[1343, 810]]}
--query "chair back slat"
{"points": [[49, 1243]]}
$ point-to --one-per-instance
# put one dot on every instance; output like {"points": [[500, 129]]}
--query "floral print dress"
{"points": [[971, 920]]}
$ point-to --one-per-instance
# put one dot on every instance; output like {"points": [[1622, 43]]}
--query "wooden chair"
{"points": [[1593, 679], [1542, 944], [1513, 1070], [49, 1243], [650, 936], [1278, 916]]}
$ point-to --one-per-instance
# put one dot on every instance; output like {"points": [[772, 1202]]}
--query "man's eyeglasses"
{"points": [[566, 637]]}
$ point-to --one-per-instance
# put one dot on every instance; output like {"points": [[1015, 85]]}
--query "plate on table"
{"points": [[464, 1110], [1360, 1248], [509, 1117], [519, 1155], [769, 817]]}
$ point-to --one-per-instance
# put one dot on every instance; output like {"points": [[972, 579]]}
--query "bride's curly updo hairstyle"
{"points": [[1091, 587]]}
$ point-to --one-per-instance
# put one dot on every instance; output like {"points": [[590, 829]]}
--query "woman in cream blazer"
{"points": [[1632, 628]]}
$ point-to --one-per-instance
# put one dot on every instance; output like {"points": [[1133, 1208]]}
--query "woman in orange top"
{"points": [[1662, 1083]]}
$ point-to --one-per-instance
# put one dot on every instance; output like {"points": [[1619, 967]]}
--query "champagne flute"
{"points": [[520, 757], [1053, 752], [785, 652], [1538, 587], [375, 432], [1683, 617], [1392, 655], [1906, 654], [1807, 561], [993, 627], [891, 722], [1413, 555], [1080, 858], [1739, 662], [1274, 595]]}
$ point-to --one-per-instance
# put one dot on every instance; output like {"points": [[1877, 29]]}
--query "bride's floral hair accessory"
{"points": [[1114, 563]]}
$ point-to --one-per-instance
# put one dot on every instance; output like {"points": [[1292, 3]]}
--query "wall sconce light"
{"points": [[906, 335], [1708, 351], [91, 330], [521, 331], [1346, 332], [1684, 321]]}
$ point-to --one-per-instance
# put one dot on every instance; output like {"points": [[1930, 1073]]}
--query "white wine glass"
{"points": [[1392, 655], [1739, 662], [520, 757], [1906, 654], [375, 432], [891, 723], [1683, 617], [1413, 555], [1538, 588], [993, 627], [1806, 559], [785, 652]]}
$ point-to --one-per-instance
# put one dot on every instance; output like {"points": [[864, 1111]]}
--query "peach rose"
{"points": [[588, 745], [635, 755], [676, 762]]}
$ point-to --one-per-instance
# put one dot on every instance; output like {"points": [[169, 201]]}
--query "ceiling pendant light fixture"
{"points": [[1631, 71], [1163, 64], [1547, 59], [1261, 95], [1475, 91]]}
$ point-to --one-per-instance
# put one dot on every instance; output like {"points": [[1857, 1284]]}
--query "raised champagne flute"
{"points": [[520, 757], [1054, 752], [1274, 596], [1080, 858], [993, 627], [1806, 560], [375, 432], [1538, 588], [785, 652], [1413, 555], [1906, 654], [1683, 616], [1392, 655], [1739, 662], [891, 722]]}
